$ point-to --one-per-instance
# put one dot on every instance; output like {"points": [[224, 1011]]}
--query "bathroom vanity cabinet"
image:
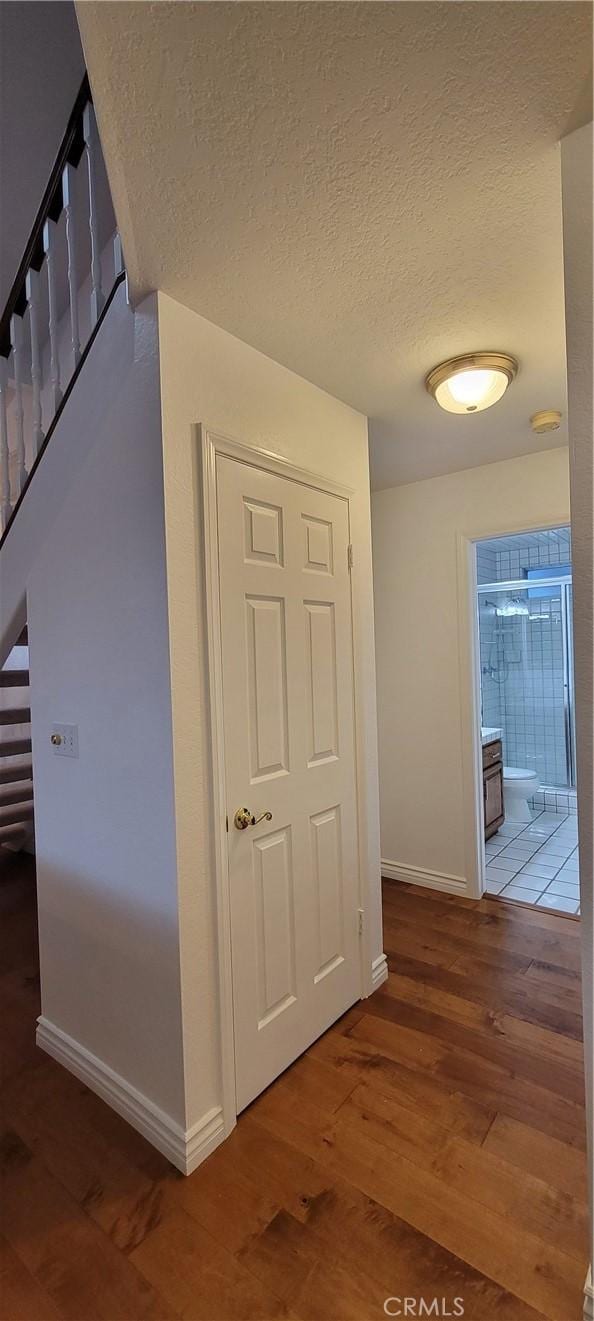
{"points": [[493, 786]]}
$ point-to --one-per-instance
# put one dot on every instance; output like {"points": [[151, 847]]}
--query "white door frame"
{"points": [[211, 444], [470, 689]]}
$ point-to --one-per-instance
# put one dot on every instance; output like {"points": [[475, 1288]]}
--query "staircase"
{"points": [[69, 273], [16, 773], [68, 277]]}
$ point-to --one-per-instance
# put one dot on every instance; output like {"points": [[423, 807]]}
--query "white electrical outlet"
{"points": [[64, 740]]}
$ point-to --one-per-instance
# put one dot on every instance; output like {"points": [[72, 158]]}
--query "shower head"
{"points": [[512, 605]]}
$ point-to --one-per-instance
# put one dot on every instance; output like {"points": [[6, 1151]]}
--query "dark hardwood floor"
{"points": [[431, 1145]]}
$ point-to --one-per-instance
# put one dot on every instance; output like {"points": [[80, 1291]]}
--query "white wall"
{"points": [[419, 692], [576, 164], [87, 549], [209, 376], [127, 918]]}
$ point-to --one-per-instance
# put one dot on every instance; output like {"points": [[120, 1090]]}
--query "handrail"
{"points": [[71, 149], [64, 400]]}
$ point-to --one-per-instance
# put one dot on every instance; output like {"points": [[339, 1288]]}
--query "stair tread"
{"points": [[13, 747], [12, 832], [15, 715], [20, 793], [9, 816], [14, 678], [12, 774]]}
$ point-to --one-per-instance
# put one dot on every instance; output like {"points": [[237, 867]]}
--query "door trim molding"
{"points": [[209, 449], [214, 443], [589, 1297], [211, 443]]}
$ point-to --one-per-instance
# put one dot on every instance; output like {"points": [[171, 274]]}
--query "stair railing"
{"points": [[70, 270]]}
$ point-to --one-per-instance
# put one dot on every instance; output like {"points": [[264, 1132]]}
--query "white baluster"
{"points": [[16, 339], [32, 291], [68, 187], [5, 506], [49, 247], [118, 256], [92, 151]]}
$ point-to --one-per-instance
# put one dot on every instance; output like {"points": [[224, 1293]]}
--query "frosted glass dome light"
{"points": [[472, 382]]}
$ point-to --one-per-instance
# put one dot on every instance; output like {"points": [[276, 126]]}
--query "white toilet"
{"points": [[518, 786]]}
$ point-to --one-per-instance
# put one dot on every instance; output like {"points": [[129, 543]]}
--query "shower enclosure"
{"points": [[526, 664]]}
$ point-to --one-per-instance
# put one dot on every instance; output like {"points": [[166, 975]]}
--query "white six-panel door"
{"points": [[287, 667]]}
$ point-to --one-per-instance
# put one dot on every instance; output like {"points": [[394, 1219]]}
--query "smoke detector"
{"points": [[547, 420]]}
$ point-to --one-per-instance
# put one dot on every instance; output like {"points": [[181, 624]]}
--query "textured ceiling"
{"points": [[358, 190]]}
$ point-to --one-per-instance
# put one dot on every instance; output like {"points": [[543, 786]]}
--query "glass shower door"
{"points": [[569, 684], [524, 672]]}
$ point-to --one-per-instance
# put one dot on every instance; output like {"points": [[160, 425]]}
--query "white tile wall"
{"points": [[532, 555], [561, 801], [503, 558], [486, 565]]}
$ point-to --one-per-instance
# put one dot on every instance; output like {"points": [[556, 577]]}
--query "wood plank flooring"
{"points": [[431, 1145]]}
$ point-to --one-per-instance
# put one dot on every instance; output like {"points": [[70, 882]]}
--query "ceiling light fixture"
{"points": [[472, 382]]}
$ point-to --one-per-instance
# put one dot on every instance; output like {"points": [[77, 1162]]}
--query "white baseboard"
{"points": [[433, 880], [379, 972], [589, 1297], [185, 1148]]}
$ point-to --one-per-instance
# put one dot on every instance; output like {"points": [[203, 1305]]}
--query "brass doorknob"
{"points": [[244, 818]]}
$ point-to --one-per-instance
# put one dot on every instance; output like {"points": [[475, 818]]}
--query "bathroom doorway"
{"points": [[525, 654]]}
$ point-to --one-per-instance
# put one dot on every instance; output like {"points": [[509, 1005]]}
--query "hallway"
{"points": [[430, 1144]]}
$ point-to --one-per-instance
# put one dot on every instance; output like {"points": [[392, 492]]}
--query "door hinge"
{"points": [[360, 924], [350, 556]]}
